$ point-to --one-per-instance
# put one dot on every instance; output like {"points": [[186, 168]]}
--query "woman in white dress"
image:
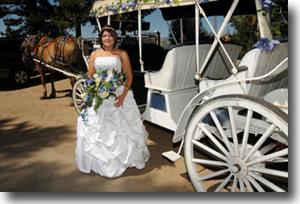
{"points": [[114, 138]]}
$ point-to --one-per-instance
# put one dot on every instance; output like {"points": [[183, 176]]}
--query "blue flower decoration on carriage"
{"points": [[265, 44], [123, 7], [112, 8], [98, 88], [203, 1], [132, 4], [267, 4], [168, 1]]}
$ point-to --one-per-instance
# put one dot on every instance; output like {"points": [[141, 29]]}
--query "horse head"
{"points": [[26, 49]]}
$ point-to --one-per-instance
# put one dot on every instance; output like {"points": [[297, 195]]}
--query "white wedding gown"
{"points": [[113, 138]]}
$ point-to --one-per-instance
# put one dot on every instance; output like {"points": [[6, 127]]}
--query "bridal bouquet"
{"points": [[100, 87]]}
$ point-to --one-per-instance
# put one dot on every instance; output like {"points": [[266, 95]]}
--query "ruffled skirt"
{"points": [[112, 140]]}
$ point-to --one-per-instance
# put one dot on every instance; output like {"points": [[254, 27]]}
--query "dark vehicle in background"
{"points": [[12, 68]]}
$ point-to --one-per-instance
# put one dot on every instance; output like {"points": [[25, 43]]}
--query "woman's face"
{"points": [[107, 39]]}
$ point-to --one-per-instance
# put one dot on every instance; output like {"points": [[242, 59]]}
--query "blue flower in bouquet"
{"points": [[265, 44], [100, 87], [168, 1]]}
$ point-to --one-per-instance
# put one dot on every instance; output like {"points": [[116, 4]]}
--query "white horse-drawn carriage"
{"points": [[233, 124]]}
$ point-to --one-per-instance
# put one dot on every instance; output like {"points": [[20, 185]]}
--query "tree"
{"points": [[247, 32], [29, 17], [71, 14], [188, 30], [26, 17]]}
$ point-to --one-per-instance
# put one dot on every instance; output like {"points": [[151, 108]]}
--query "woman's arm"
{"points": [[92, 69], [126, 66]]}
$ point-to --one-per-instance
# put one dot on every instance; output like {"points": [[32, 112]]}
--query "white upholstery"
{"points": [[264, 64], [178, 70], [258, 63]]}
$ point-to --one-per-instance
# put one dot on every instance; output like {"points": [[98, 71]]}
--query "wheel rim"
{"points": [[21, 77], [76, 95], [237, 151]]}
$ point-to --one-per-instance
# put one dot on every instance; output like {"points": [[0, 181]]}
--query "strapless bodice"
{"points": [[108, 64]]}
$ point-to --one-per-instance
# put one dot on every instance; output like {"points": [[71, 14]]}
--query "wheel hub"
{"points": [[238, 167]]}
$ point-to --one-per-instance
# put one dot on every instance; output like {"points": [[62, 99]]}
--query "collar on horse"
{"points": [[39, 44]]}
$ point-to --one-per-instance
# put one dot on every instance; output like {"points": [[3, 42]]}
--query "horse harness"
{"points": [[59, 57]]}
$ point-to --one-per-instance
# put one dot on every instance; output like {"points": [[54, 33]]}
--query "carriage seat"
{"points": [[179, 67], [258, 63]]}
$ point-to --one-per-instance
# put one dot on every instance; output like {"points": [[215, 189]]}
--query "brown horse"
{"points": [[62, 53]]}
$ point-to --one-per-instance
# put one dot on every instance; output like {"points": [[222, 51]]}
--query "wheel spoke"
{"points": [[255, 184], [267, 148], [242, 186], [283, 174], [214, 140], [210, 150], [80, 90], [209, 162], [212, 175], [234, 185], [221, 131], [78, 94], [224, 183], [266, 182], [233, 130], [81, 86], [268, 157], [261, 140], [248, 185], [246, 132]]}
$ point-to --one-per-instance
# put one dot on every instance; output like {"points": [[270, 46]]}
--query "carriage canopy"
{"points": [[171, 9]]}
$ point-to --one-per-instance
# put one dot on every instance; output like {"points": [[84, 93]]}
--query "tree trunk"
{"points": [[78, 30]]}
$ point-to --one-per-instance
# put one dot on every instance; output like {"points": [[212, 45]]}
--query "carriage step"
{"points": [[171, 155]]}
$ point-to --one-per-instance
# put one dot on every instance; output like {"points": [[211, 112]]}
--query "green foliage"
{"points": [[98, 103], [188, 30], [29, 17], [247, 32], [69, 14], [26, 17]]}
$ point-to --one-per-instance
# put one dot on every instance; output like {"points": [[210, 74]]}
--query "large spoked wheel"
{"points": [[237, 143], [77, 91]]}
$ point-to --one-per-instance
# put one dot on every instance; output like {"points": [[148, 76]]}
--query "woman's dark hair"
{"points": [[112, 31]]}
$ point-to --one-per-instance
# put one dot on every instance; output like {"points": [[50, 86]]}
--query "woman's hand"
{"points": [[120, 100]]}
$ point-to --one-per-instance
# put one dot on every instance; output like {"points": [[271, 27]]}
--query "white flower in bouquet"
{"points": [[95, 75], [109, 77], [103, 94], [98, 80], [83, 95]]}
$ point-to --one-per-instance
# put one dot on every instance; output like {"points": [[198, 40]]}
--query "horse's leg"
{"points": [[53, 92], [41, 70], [72, 81]]}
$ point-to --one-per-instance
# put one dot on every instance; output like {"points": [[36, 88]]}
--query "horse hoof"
{"points": [[52, 96], [43, 97]]}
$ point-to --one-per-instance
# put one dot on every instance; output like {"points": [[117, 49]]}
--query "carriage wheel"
{"points": [[237, 143], [77, 91]]}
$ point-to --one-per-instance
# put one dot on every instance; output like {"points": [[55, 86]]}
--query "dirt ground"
{"points": [[38, 141]]}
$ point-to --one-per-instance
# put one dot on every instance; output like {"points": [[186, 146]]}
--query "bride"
{"points": [[113, 137]]}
